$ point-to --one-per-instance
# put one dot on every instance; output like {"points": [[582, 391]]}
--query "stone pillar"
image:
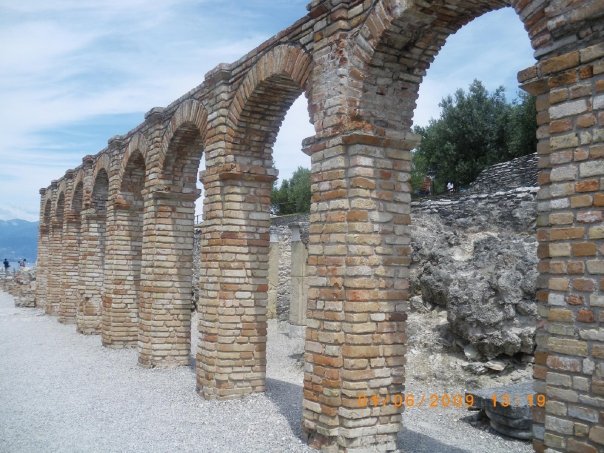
{"points": [[569, 362], [165, 310], [357, 301], [42, 261], [70, 268], [53, 273], [55, 280], [122, 276], [231, 357], [92, 260], [299, 283], [273, 275]]}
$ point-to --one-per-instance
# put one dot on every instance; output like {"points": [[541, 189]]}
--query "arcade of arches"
{"points": [[115, 248]]}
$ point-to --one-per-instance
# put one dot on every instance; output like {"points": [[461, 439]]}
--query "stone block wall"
{"points": [[519, 172]]}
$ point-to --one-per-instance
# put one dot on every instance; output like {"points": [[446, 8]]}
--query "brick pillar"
{"points": [[299, 280], [42, 260], [55, 280], [91, 260], [70, 268], [357, 301], [122, 276], [231, 356], [165, 310], [569, 364]]}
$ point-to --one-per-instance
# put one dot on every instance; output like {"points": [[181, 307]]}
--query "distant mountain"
{"points": [[18, 239]]}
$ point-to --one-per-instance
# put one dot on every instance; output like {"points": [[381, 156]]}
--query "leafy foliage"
{"points": [[294, 194], [475, 130]]}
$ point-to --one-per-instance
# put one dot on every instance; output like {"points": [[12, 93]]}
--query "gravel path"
{"points": [[61, 391]]}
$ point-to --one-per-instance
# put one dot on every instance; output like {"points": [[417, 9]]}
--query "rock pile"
{"points": [[508, 408], [22, 286], [481, 266]]}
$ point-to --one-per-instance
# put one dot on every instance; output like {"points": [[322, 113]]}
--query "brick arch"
{"points": [[396, 45], [183, 145], [266, 94], [102, 163], [77, 198], [59, 208], [137, 146], [287, 60], [47, 212], [99, 193]]}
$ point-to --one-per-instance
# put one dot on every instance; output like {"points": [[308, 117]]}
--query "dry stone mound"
{"points": [[483, 271]]}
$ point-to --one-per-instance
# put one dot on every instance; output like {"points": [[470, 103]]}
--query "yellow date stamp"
{"points": [[447, 400]]}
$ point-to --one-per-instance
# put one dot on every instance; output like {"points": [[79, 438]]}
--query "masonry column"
{"points": [[569, 363], [42, 261], [70, 258], [122, 277], [124, 231], [357, 301], [165, 310], [231, 357], [54, 282], [71, 251], [92, 260]]}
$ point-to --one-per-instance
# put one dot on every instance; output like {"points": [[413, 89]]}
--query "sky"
{"points": [[74, 73]]}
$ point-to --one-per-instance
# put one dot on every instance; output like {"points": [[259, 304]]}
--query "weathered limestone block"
{"points": [[299, 280], [273, 276]]}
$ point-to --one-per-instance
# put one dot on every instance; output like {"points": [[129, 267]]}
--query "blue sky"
{"points": [[75, 73]]}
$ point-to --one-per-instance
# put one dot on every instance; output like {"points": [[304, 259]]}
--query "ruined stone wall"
{"points": [[22, 286], [519, 172]]}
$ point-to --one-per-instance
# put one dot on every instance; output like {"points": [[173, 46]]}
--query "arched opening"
{"points": [[236, 235], [92, 257], [71, 257], [374, 281]]}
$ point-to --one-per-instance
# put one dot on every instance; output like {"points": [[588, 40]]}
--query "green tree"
{"points": [[476, 129], [294, 194]]}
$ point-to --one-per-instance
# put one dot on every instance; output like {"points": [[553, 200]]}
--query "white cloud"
{"points": [[69, 62]]}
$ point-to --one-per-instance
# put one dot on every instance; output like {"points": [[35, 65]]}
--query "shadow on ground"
{"points": [[409, 441], [288, 399]]}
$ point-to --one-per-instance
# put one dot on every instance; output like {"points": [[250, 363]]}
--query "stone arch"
{"points": [[55, 278], [390, 56], [138, 146], [265, 95], [182, 143], [77, 198], [124, 254], [166, 290], [47, 212], [71, 247], [59, 211], [101, 174], [235, 235], [395, 47], [93, 250]]}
